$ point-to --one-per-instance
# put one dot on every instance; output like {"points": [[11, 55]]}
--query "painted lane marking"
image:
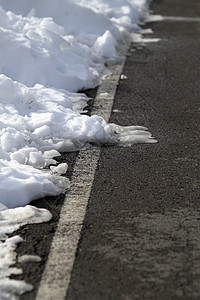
{"points": [[180, 19], [57, 274], [160, 18]]}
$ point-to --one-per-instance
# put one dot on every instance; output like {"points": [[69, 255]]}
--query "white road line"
{"points": [[56, 276], [180, 19]]}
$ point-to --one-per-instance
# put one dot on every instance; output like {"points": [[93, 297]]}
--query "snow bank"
{"points": [[36, 50], [50, 50], [46, 55]]}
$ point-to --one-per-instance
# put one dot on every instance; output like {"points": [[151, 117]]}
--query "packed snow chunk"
{"points": [[43, 131], [13, 219], [20, 157], [20, 184], [36, 160], [40, 120], [29, 258], [105, 46], [90, 130], [60, 169], [51, 153], [10, 138]]}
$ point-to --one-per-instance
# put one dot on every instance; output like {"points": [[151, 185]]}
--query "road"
{"points": [[140, 236]]}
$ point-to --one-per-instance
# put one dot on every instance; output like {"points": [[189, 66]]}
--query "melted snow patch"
{"points": [[29, 258], [129, 135]]}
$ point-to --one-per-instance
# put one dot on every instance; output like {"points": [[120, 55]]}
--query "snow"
{"points": [[50, 50], [60, 169], [29, 258], [19, 184], [11, 220]]}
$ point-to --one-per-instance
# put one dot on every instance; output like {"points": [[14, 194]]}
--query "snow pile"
{"points": [[26, 184], [36, 120], [50, 50], [36, 50]]}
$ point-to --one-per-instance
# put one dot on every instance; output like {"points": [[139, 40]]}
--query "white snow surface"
{"points": [[50, 50]]}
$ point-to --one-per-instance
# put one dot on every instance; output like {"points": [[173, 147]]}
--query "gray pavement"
{"points": [[140, 238], [141, 235]]}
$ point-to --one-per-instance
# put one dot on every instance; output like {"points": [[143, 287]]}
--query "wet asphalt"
{"points": [[140, 238]]}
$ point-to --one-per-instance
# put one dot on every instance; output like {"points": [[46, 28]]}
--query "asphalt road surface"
{"points": [[140, 237]]}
